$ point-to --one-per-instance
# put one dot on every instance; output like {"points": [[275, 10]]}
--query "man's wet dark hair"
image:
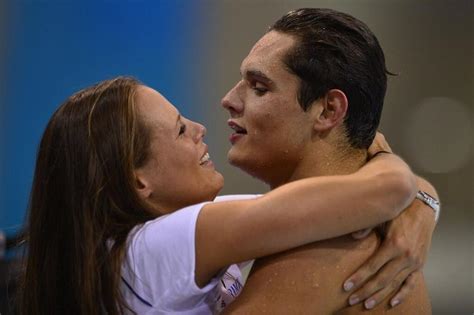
{"points": [[336, 51]]}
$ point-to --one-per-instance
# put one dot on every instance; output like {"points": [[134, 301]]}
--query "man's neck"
{"points": [[328, 160]]}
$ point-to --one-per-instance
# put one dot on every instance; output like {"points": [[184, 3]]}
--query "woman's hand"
{"points": [[402, 254]]}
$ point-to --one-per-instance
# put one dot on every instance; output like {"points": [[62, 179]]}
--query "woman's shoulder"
{"points": [[159, 256], [165, 228]]}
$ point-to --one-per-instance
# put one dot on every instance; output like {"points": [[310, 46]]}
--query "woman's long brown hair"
{"points": [[83, 203]]}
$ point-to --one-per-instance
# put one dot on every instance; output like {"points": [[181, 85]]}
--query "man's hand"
{"points": [[402, 253]]}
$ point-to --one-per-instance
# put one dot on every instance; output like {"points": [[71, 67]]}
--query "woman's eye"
{"points": [[182, 129]]}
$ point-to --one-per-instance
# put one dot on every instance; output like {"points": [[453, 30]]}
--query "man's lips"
{"points": [[233, 138], [239, 131], [236, 127]]}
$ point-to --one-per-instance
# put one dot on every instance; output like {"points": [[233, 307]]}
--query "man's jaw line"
{"points": [[323, 159]]}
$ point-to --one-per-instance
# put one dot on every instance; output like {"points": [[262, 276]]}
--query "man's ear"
{"points": [[142, 185], [331, 110]]}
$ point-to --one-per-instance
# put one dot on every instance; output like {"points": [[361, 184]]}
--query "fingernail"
{"points": [[353, 300], [394, 302], [369, 304], [348, 285]]}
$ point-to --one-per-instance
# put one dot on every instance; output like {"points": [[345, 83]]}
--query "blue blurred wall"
{"points": [[54, 48]]}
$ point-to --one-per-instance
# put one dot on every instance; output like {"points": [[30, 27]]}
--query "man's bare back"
{"points": [[308, 280]]}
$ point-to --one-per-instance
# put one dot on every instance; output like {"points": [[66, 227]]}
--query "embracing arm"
{"points": [[309, 279], [299, 213], [401, 256]]}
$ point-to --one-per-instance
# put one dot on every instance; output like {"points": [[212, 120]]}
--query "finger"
{"points": [[392, 287], [382, 142], [378, 144], [393, 272], [407, 287], [369, 268], [386, 146], [361, 234]]}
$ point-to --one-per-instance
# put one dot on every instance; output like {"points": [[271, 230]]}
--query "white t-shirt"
{"points": [[158, 270]]}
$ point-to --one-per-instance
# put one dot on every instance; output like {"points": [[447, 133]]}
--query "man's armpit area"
{"points": [[306, 280]]}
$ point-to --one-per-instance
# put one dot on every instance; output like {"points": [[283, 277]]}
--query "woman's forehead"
{"points": [[155, 108]]}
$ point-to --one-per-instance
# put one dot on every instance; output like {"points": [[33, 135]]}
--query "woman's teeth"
{"points": [[204, 159]]}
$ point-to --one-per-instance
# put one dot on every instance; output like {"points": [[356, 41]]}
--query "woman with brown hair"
{"points": [[123, 215]]}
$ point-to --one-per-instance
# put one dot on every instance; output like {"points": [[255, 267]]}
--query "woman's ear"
{"points": [[330, 110], [142, 185]]}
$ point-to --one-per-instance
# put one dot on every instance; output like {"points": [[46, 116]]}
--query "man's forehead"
{"points": [[268, 51], [273, 42]]}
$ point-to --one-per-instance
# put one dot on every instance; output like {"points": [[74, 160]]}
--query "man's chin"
{"points": [[235, 157], [242, 161], [232, 158]]}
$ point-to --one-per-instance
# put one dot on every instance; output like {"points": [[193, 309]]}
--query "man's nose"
{"points": [[232, 101]]}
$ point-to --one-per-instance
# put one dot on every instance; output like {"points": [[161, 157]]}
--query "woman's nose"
{"points": [[200, 132]]}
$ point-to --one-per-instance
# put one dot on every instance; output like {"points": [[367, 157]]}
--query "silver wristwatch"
{"points": [[430, 201]]}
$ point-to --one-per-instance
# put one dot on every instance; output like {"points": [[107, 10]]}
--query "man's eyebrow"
{"points": [[257, 74]]}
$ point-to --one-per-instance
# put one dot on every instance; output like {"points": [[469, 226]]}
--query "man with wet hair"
{"points": [[309, 104]]}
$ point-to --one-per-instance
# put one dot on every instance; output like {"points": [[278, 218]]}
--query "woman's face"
{"points": [[178, 172]]}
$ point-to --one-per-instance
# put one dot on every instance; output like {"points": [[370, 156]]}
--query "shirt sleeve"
{"points": [[161, 260]]}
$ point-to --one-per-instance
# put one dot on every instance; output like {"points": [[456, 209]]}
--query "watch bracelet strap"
{"points": [[380, 152], [430, 201]]}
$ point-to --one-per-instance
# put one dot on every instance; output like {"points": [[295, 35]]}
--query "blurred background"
{"points": [[191, 51]]}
